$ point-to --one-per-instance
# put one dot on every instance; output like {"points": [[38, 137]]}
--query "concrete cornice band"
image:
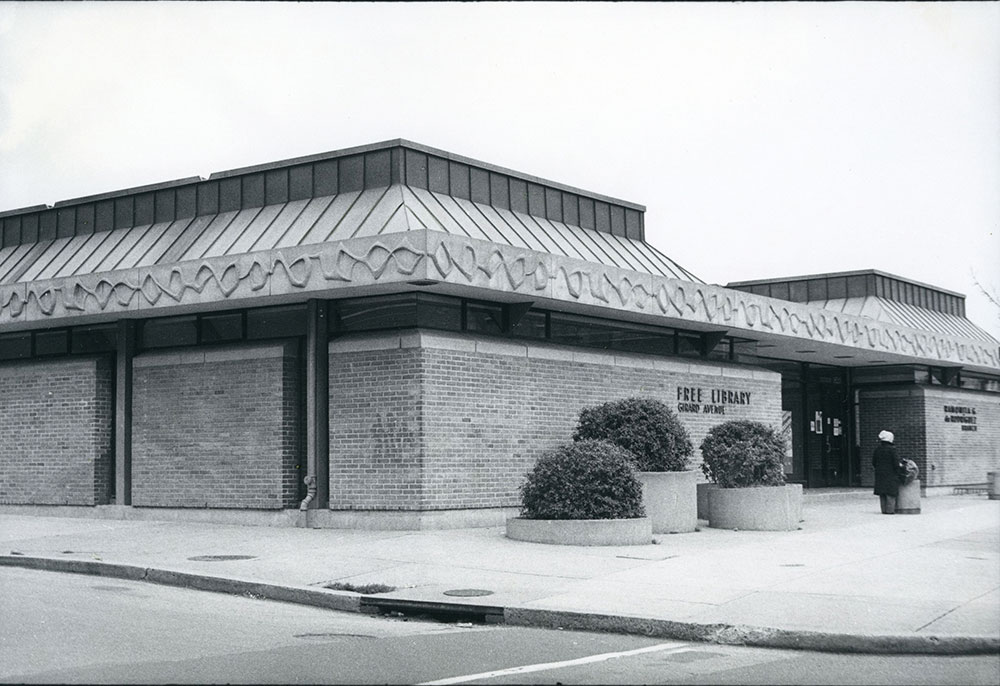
{"points": [[461, 266]]}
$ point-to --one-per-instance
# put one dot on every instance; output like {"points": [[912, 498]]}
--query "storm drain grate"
{"points": [[468, 592], [220, 558], [422, 609]]}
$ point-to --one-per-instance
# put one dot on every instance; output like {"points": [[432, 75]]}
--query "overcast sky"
{"points": [[765, 140]]}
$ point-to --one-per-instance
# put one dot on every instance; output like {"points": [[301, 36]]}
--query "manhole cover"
{"points": [[795, 564], [468, 592], [220, 558]]}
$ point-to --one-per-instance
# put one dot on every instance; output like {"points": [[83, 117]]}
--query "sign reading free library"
{"points": [[709, 400]]}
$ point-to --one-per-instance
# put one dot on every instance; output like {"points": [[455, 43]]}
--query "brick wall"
{"points": [[440, 421], [376, 451], [56, 432], [957, 455], [946, 454], [899, 410], [217, 427]]}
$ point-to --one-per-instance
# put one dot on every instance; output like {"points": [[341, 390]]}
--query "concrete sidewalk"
{"points": [[850, 579]]}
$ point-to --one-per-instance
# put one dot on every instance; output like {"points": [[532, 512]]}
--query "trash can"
{"points": [[993, 484], [908, 500]]}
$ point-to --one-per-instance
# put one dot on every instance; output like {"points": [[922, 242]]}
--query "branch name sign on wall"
{"points": [[960, 414], [700, 400]]}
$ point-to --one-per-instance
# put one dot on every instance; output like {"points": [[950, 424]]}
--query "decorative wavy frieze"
{"points": [[414, 255]]}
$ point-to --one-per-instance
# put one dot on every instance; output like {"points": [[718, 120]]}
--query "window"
{"points": [[484, 318], [276, 322], [94, 339], [52, 342], [688, 344], [531, 325], [15, 346], [222, 327], [169, 332], [399, 312]]}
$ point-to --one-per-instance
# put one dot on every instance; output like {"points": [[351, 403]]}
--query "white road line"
{"points": [[673, 647]]}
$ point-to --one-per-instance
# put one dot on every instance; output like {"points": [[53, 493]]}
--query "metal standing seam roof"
{"points": [[911, 316], [354, 214]]}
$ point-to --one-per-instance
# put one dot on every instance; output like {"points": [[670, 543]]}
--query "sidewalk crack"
{"points": [[945, 614]]}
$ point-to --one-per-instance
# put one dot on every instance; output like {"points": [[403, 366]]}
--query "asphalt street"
{"points": [[64, 628]]}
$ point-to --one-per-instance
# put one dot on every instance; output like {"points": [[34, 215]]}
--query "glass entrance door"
{"points": [[827, 412]]}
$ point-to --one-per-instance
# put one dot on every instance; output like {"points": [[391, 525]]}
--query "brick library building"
{"points": [[391, 335]]}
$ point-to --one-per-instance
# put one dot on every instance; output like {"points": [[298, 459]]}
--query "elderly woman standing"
{"points": [[886, 465]]}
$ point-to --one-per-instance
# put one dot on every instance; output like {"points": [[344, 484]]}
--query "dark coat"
{"points": [[886, 464]]}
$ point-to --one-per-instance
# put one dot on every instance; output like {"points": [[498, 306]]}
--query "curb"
{"points": [[722, 634], [755, 636], [329, 599]]}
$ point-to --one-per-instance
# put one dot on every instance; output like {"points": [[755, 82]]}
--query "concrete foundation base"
{"points": [[581, 531], [315, 519], [908, 500]]}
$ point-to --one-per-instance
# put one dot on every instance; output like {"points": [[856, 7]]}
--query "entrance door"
{"points": [[827, 412]]}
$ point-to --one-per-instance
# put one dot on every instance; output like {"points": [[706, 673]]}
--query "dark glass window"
{"points": [[276, 322], [94, 339], [169, 332], [439, 312], [722, 350], [384, 312], [688, 343], [531, 325], [222, 327], [598, 333], [52, 342], [653, 342], [484, 318], [575, 330], [980, 383], [15, 346], [744, 349]]}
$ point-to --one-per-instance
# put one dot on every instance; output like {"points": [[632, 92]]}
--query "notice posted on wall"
{"points": [[961, 414]]}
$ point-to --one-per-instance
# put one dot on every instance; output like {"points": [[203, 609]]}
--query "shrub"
{"points": [[583, 480], [645, 427], [741, 453]]}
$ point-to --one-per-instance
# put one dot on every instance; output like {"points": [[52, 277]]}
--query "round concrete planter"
{"points": [[671, 500], [908, 500], [581, 531], [758, 508]]}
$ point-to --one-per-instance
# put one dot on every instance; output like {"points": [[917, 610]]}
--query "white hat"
{"points": [[886, 436]]}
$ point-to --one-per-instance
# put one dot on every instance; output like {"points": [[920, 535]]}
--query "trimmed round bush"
{"points": [[583, 480], [645, 427], [742, 453]]}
